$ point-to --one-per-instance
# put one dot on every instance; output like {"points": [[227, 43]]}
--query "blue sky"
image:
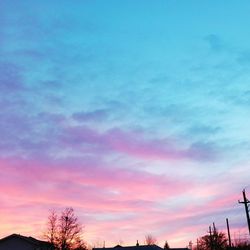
{"points": [[138, 110]]}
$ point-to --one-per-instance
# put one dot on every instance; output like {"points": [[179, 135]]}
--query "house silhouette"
{"points": [[20, 242], [137, 247]]}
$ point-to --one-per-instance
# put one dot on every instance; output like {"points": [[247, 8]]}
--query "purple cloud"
{"points": [[96, 115], [136, 144]]}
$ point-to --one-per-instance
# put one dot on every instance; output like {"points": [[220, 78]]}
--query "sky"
{"points": [[135, 113]]}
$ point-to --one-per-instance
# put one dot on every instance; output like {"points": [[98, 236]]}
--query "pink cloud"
{"points": [[110, 201], [91, 189], [112, 183]]}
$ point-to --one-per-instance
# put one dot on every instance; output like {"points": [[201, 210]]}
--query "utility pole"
{"points": [[211, 238], [228, 233], [215, 237], [245, 202], [214, 228]]}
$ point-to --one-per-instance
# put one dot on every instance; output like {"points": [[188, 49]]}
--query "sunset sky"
{"points": [[135, 113]]}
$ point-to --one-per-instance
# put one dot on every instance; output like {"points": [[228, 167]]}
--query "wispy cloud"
{"points": [[96, 115]]}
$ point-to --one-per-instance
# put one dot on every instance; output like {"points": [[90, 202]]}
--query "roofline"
{"points": [[117, 246], [26, 238]]}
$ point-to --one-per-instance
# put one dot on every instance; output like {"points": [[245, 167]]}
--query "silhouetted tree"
{"points": [[215, 241], [65, 231], [51, 233], [166, 245], [150, 240], [242, 244]]}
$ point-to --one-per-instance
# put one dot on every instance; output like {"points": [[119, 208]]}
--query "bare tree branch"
{"points": [[65, 231]]}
